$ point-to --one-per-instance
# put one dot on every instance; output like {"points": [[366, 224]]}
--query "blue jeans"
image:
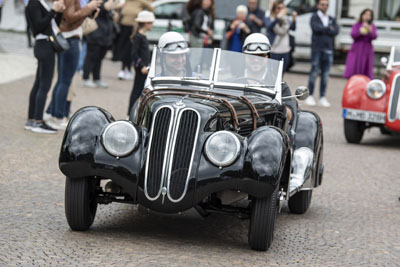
{"points": [[320, 61], [66, 65], [82, 56]]}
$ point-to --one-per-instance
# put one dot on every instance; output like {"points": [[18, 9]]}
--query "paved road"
{"points": [[354, 218]]}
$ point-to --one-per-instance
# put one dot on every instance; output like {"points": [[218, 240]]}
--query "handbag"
{"points": [[59, 43], [89, 25]]}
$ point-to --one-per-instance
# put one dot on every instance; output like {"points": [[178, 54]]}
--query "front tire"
{"points": [[300, 202], [262, 221], [353, 131], [80, 202]]}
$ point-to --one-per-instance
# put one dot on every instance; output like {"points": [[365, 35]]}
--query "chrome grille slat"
{"points": [[157, 152], [184, 146]]}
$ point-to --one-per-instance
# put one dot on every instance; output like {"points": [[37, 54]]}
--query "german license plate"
{"points": [[362, 115]]}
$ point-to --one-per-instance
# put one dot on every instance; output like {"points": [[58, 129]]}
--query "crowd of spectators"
{"points": [[121, 28]]}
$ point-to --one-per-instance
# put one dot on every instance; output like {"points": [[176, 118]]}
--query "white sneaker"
{"points": [[100, 83], [56, 123], [323, 102], [121, 74], [89, 84], [29, 124], [310, 101], [64, 122], [46, 116], [128, 75], [42, 127]]}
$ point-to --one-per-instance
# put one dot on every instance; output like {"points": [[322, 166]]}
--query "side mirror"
{"points": [[302, 92], [384, 61]]}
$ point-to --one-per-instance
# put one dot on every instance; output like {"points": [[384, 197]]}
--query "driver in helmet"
{"points": [[258, 44], [173, 50]]}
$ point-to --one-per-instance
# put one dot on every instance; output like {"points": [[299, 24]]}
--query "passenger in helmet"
{"points": [[258, 44], [174, 50]]}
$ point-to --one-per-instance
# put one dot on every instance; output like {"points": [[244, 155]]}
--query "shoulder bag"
{"points": [[89, 25], [59, 43]]}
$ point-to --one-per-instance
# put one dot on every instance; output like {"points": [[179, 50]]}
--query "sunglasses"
{"points": [[258, 46], [175, 46]]}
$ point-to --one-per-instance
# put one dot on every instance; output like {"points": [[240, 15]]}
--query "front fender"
{"points": [[266, 155], [82, 135], [257, 170], [83, 155], [355, 96]]}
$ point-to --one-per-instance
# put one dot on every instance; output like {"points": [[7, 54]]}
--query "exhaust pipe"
{"points": [[112, 188]]}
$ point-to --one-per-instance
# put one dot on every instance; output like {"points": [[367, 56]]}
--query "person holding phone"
{"points": [[44, 18], [238, 30], [67, 61], [278, 26], [360, 59]]}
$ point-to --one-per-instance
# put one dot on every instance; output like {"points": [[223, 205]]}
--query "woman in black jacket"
{"points": [[98, 42], [43, 21], [141, 54], [202, 14]]}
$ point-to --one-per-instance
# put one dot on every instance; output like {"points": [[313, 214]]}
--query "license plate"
{"points": [[362, 115]]}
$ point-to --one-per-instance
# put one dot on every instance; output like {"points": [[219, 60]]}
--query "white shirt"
{"points": [[77, 31], [324, 18]]}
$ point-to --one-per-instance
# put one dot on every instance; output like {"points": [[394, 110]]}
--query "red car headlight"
{"points": [[376, 89]]}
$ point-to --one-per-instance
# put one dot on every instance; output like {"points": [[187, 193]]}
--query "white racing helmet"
{"points": [[172, 43], [256, 43]]}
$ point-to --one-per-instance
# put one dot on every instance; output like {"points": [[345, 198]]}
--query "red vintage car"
{"points": [[373, 103]]}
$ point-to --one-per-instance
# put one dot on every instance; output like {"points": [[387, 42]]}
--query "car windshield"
{"points": [[215, 69], [184, 63], [248, 70]]}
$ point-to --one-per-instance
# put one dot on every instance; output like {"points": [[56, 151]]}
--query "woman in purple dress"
{"points": [[360, 59]]}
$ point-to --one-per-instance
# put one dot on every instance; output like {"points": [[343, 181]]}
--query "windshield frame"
{"points": [[211, 83], [391, 62]]}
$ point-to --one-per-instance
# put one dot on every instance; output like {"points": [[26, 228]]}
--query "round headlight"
{"points": [[222, 148], [376, 89], [120, 138]]}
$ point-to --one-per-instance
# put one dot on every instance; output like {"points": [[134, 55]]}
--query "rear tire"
{"points": [[300, 202], [262, 221], [80, 202], [385, 131], [353, 131]]}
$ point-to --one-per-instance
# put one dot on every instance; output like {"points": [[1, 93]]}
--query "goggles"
{"points": [[253, 47], [172, 47]]}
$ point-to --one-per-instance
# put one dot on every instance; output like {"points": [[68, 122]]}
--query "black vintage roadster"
{"points": [[210, 132]]}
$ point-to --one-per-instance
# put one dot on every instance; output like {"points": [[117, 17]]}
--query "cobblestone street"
{"points": [[354, 218]]}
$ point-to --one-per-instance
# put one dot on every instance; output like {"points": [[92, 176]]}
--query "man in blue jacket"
{"points": [[324, 29]]}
